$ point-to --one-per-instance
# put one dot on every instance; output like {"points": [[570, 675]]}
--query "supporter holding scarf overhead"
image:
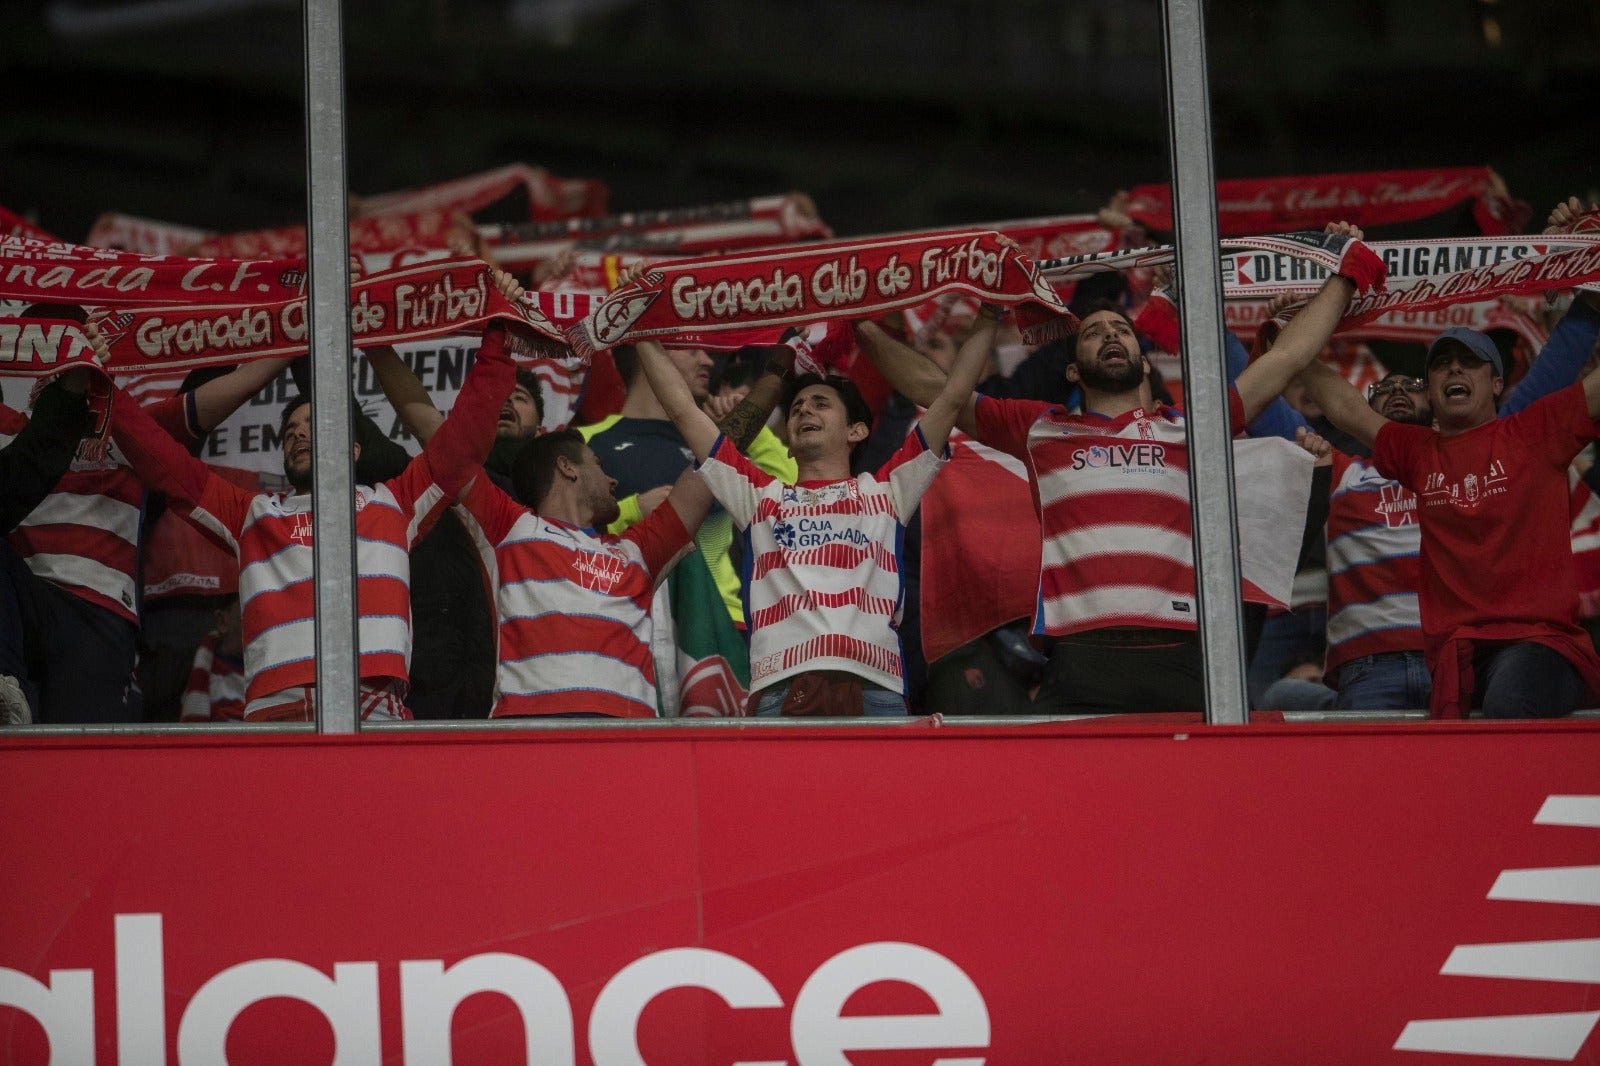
{"points": [[824, 589], [273, 535], [1116, 589], [1498, 594]]}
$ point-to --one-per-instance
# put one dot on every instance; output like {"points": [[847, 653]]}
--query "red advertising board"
{"points": [[886, 895]]}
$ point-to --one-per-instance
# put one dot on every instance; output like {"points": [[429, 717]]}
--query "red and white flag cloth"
{"points": [[980, 547], [672, 232], [1378, 198], [981, 540], [412, 303], [727, 302], [56, 272], [549, 196]]}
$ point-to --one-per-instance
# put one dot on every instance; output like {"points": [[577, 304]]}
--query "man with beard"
{"points": [[272, 536], [1117, 588], [453, 660], [573, 602]]}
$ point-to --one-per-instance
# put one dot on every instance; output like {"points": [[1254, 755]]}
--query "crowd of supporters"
{"points": [[757, 532]]}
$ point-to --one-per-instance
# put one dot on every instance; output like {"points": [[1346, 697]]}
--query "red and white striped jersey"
{"points": [[84, 537], [271, 535], [823, 586], [572, 605], [1113, 502], [1374, 543], [215, 691]]}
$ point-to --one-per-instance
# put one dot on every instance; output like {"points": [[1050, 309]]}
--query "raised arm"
{"points": [[457, 451], [1341, 402], [1296, 348], [1300, 340], [412, 402], [955, 397], [691, 498], [741, 424], [912, 374], [213, 402], [673, 393]]}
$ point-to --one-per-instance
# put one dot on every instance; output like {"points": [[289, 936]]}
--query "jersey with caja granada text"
{"points": [[823, 577]]}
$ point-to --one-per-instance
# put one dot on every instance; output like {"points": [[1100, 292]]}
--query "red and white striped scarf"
{"points": [[411, 303], [727, 302], [1265, 205], [57, 272]]}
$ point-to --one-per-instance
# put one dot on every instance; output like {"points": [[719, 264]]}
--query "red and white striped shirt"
{"points": [[823, 585], [271, 535], [1113, 502], [84, 537], [215, 691], [1374, 569], [573, 606]]}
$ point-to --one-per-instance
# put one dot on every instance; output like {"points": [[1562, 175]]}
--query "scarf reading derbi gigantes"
{"points": [[726, 302], [1422, 275], [411, 303]]}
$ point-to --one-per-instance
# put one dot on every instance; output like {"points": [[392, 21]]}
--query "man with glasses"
{"points": [[1491, 619]]}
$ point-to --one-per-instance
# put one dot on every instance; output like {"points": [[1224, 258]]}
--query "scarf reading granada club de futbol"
{"points": [[411, 303], [727, 302]]}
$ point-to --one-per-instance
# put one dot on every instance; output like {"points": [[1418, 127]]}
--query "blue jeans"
{"points": [[1525, 680], [1392, 681], [1297, 694], [1302, 631], [876, 702]]}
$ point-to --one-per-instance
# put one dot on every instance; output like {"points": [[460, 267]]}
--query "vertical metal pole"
{"points": [[1205, 376], [328, 328]]}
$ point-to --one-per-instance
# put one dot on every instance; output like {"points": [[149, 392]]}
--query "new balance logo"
{"points": [[1554, 1035]]}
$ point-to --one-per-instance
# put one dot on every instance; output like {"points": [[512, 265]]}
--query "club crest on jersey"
{"points": [[300, 527]]}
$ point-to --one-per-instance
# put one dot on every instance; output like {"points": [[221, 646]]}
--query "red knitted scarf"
{"points": [[727, 302]]}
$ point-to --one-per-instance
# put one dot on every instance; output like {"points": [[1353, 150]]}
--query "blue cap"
{"points": [[1474, 341]]}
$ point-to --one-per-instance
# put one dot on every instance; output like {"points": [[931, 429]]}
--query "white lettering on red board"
{"points": [[429, 993]]}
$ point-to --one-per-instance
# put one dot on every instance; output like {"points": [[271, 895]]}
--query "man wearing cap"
{"points": [[1375, 644], [1495, 586]]}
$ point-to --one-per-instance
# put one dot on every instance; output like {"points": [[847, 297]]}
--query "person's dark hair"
{"points": [[626, 356], [45, 309], [1094, 307], [855, 408], [294, 404], [530, 381], [533, 471]]}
